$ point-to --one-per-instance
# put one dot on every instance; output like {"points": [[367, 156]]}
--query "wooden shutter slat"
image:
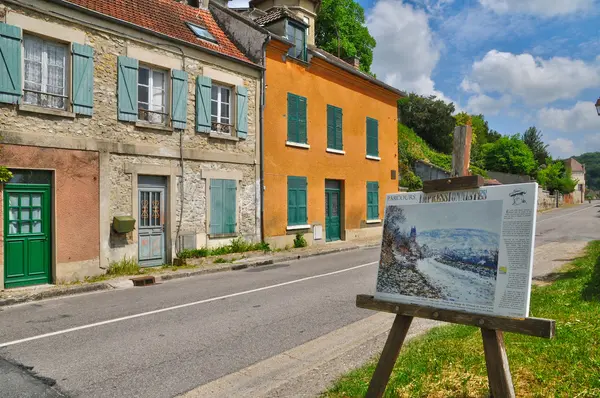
{"points": [[330, 127], [127, 81], [10, 63], [179, 82], [216, 207], [229, 205], [292, 117], [242, 112], [83, 79], [338, 129], [203, 89]]}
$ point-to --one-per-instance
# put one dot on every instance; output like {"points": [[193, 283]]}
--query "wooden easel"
{"points": [[492, 327]]}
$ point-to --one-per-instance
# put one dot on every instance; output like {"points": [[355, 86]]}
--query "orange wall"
{"points": [[323, 84]]}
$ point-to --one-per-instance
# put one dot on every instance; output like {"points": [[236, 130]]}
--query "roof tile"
{"points": [[167, 17]]}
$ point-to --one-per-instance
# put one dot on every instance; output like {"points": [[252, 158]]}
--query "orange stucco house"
{"points": [[330, 135]]}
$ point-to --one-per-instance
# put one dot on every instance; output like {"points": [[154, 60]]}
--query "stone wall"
{"points": [[547, 201], [123, 144]]}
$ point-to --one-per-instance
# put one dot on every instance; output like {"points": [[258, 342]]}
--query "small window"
{"points": [[372, 200], [334, 128], [296, 115], [297, 35], [152, 95], [297, 201], [45, 65], [220, 109], [202, 33]]}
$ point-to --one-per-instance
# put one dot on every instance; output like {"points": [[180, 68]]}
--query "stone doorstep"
{"points": [[24, 295]]}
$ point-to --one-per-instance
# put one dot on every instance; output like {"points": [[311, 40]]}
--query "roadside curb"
{"points": [[108, 285], [94, 287]]}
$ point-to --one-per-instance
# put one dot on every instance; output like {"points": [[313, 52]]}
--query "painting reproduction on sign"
{"points": [[454, 253]]}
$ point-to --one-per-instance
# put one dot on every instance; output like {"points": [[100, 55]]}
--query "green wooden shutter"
{"points": [[330, 127], [292, 117], [339, 144], [372, 137], [127, 81], [302, 120], [229, 208], [297, 201], [217, 224], [10, 63], [83, 79], [179, 82], [372, 200], [242, 112], [203, 90]]}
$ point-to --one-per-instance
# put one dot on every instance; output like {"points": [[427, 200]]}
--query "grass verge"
{"points": [[237, 245], [448, 361]]}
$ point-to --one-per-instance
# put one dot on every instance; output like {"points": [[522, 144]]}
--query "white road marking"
{"points": [[564, 215], [176, 307]]}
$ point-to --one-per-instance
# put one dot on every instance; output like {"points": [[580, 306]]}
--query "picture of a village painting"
{"points": [[446, 252]]}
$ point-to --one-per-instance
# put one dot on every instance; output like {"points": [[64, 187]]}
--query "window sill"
{"points": [[46, 111], [296, 227], [153, 126], [222, 236], [336, 151], [297, 145], [223, 137], [373, 221], [371, 157]]}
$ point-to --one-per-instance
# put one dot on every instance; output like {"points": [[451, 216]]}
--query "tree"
{"points": [[341, 24], [591, 160], [533, 139], [430, 118], [509, 155], [555, 177]]}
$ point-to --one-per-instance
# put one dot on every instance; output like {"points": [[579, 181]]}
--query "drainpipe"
{"points": [[262, 137]]}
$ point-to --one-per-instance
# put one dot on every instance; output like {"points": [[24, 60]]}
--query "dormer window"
{"points": [[202, 33], [296, 33]]}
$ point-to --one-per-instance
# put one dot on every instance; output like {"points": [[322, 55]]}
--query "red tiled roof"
{"points": [[573, 164], [167, 17]]}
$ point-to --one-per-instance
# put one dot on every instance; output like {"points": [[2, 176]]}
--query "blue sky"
{"points": [[519, 62]]}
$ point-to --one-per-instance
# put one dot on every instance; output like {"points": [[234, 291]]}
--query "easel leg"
{"points": [[389, 355], [496, 361]]}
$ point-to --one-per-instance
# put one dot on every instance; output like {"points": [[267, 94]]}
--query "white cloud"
{"points": [[545, 8], [562, 148], [406, 52], [581, 117], [487, 105], [535, 80]]}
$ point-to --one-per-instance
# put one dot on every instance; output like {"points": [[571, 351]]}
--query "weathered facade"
{"points": [[578, 174], [330, 135], [150, 121]]}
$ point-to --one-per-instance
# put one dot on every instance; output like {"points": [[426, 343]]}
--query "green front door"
{"points": [[27, 240], [332, 214]]}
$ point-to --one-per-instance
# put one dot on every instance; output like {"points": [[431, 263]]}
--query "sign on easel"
{"points": [[468, 250]]}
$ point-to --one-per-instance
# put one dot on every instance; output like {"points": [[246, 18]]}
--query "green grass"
{"points": [[237, 245], [448, 361]]}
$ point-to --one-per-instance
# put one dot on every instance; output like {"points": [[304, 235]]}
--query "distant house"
{"points": [[578, 174]]}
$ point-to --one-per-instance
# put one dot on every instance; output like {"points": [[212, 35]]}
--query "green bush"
{"points": [[411, 181], [126, 266], [237, 245], [193, 253], [300, 241], [219, 260]]}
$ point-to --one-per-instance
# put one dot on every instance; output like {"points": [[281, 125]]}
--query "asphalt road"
{"points": [[164, 340]]}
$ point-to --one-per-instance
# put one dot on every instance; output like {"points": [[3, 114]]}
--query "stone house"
{"points": [[330, 134], [578, 174], [143, 108]]}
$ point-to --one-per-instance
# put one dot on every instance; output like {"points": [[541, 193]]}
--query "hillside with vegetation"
{"points": [[591, 160]]}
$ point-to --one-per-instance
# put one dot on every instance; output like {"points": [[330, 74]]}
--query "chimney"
{"points": [[354, 61]]}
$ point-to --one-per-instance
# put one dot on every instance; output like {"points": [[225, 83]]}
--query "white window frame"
{"points": [[44, 83], [219, 126], [165, 94]]}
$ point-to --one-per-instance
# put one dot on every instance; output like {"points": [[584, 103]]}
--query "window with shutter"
{"points": [[296, 119], [372, 137], [297, 207], [223, 220], [334, 128], [152, 95], [45, 65], [372, 200]]}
